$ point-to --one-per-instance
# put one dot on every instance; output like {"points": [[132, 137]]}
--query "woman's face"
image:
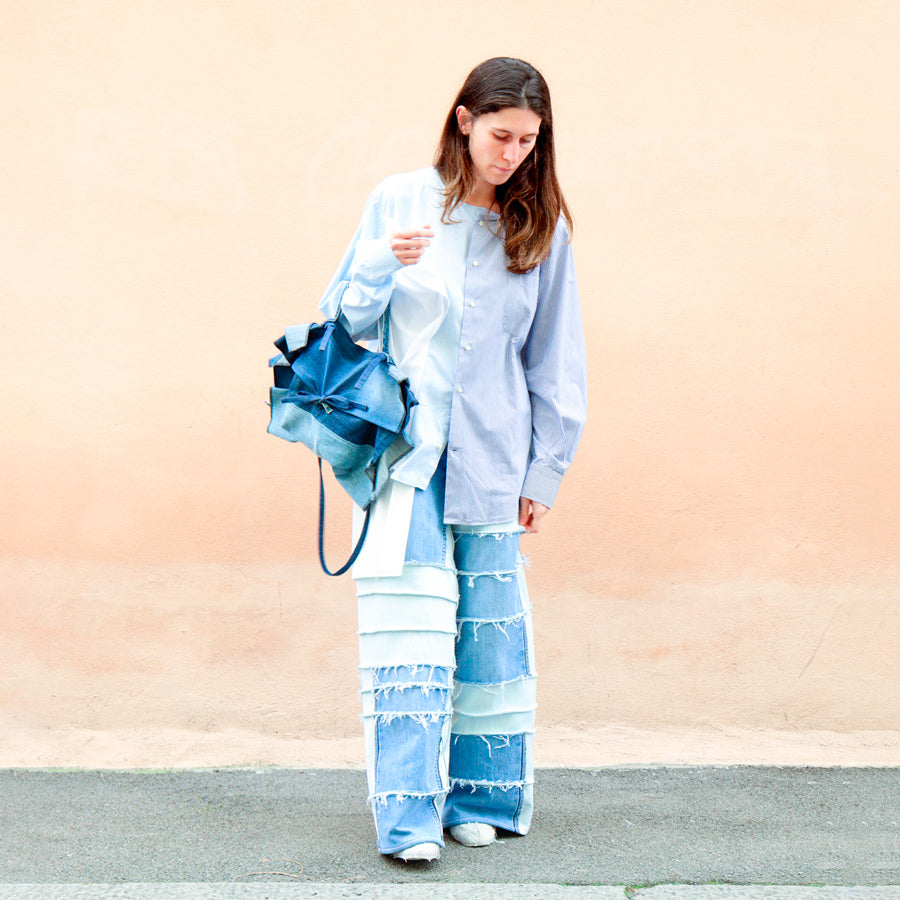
{"points": [[499, 141]]}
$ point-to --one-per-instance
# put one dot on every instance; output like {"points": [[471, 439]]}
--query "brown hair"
{"points": [[531, 202]]}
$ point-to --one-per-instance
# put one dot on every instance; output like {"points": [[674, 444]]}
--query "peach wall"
{"points": [[178, 183]]}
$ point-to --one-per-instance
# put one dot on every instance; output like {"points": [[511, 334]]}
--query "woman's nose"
{"points": [[511, 155]]}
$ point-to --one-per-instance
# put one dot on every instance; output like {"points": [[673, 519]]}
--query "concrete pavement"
{"points": [[699, 833], [328, 891]]}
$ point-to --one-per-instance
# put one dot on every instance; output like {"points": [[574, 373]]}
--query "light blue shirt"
{"points": [[496, 360]]}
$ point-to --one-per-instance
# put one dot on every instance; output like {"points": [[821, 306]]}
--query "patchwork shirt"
{"points": [[496, 359]]}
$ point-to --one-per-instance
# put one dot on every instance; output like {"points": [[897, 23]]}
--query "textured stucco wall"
{"points": [[178, 182]]}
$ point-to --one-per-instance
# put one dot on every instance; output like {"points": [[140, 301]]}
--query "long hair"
{"points": [[531, 201]]}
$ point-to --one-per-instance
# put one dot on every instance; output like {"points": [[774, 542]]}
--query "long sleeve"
{"points": [[363, 282], [554, 361]]}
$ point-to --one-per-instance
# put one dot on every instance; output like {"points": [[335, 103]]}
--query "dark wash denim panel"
{"points": [[503, 756], [489, 805], [489, 596], [506, 759]]}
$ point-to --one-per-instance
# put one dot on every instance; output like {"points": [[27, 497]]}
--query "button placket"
{"points": [[478, 246]]}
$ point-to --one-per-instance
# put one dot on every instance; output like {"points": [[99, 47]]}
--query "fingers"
{"points": [[524, 511], [408, 246], [531, 514]]}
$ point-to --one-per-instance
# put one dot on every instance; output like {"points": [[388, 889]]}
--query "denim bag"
{"points": [[351, 406]]}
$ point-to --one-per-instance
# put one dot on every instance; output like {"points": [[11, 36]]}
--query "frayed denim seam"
{"points": [[428, 565], [400, 631], [504, 740], [502, 576], [426, 687], [480, 623], [531, 676], [412, 670], [487, 685], [402, 796], [465, 783], [420, 718], [499, 574]]}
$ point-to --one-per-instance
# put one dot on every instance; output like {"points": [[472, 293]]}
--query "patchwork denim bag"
{"points": [[351, 406]]}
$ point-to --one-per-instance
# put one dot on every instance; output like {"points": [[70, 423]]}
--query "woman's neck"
{"points": [[482, 195]]}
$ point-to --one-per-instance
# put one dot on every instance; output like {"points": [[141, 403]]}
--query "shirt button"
{"points": [[474, 262], [468, 347], [459, 389], [481, 222], [471, 303]]}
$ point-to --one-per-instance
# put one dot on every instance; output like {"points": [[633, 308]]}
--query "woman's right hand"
{"points": [[408, 246]]}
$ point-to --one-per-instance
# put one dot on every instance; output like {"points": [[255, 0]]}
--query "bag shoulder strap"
{"points": [[359, 544], [385, 339], [386, 330]]}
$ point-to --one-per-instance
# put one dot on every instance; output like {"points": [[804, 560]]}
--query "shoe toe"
{"points": [[474, 834], [419, 853]]}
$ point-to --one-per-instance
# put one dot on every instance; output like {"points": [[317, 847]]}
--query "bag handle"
{"points": [[359, 544], [385, 328]]}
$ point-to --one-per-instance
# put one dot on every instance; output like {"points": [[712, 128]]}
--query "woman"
{"points": [[473, 256]]}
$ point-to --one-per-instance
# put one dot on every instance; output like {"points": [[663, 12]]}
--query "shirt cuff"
{"points": [[541, 484], [376, 260]]}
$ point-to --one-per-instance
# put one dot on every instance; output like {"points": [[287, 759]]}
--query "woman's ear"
{"points": [[464, 118]]}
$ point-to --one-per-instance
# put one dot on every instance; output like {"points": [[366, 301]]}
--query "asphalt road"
{"points": [[611, 833]]}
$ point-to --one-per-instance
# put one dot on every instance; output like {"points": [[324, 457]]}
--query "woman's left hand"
{"points": [[531, 514]]}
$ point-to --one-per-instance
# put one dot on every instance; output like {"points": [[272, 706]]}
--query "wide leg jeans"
{"points": [[448, 682]]}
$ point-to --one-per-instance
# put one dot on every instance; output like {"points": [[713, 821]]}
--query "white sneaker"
{"points": [[419, 853], [473, 834]]}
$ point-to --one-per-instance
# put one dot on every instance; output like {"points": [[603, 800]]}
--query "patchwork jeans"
{"points": [[448, 681]]}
